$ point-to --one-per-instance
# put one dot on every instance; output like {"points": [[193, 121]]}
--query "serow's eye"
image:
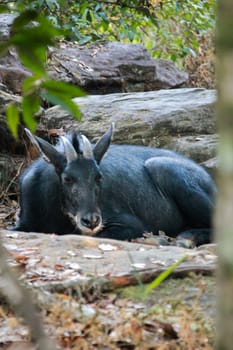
{"points": [[67, 180]]}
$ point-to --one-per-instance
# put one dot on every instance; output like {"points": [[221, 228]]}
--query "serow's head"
{"points": [[76, 162]]}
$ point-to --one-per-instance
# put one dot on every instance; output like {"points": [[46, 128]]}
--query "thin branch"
{"points": [[5, 192]]}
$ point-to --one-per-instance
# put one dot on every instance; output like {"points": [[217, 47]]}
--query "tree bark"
{"points": [[224, 203]]}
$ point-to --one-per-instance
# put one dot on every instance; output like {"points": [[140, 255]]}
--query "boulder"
{"points": [[107, 263], [197, 147], [113, 67], [179, 119], [99, 68], [211, 166], [9, 144], [6, 20], [12, 72], [6, 98]]}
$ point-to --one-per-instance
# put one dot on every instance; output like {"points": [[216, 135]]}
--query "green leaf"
{"points": [[66, 103], [33, 60], [30, 106], [36, 37], [59, 87], [13, 118], [158, 280], [31, 84], [53, 4], [105, 24], [3, 48], [23, 19], [3, 8], [85, 39], [173, 57]]}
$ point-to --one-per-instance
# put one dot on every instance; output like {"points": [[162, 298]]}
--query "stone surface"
{"points": [[211, 166], [12, 73], [179, 119], [197, 147], [9, 144], [113, 67], [51, 260], [98, 68], [5, 22], [6, 98]]}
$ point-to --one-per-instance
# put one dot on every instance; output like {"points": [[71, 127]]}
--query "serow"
{"points": [[114, 191]]}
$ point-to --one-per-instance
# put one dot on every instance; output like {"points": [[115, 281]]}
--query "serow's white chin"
{"points": [[86, 230]]}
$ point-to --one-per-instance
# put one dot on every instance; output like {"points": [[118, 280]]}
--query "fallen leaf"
{"points": [[138, 265], [59, 267], [107, 247], [167, 329], [92, 256], [74, 266], [71, 253]]}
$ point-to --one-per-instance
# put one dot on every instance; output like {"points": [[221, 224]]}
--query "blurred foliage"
{"points": [[30, 35], [163, 275], [168, 28]]}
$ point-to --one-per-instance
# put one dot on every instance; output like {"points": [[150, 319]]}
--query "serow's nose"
{"points": [[91, 220]]}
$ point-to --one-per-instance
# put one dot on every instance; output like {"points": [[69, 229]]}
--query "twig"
{"points": [[149, 274], [108, 284], [5, 192]]}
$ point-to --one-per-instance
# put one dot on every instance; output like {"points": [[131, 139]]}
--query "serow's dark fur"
{"points": [[118, 191]]}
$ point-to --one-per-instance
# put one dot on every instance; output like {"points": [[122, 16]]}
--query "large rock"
{"points": [[104, 262], [198, 147], [9, 144], [6, 20], [12, 72], [113, 67], [99, 68], [181, 119]]}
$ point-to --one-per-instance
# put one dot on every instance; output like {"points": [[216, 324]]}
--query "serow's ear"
{"points": [[102, 145], [47, 151]]}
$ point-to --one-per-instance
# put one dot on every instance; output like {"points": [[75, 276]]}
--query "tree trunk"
{"points": [[224, 211]]}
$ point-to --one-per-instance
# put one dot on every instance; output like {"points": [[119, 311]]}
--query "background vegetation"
{"points": [[168, 28]]}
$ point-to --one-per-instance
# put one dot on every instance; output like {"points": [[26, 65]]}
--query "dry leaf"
{"points": [[107, 247]]}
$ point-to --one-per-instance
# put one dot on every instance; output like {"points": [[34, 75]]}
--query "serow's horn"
{"points": [[70, 152], [87, 148]]}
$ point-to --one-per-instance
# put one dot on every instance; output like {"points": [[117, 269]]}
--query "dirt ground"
{"points": [[177, 315]]}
